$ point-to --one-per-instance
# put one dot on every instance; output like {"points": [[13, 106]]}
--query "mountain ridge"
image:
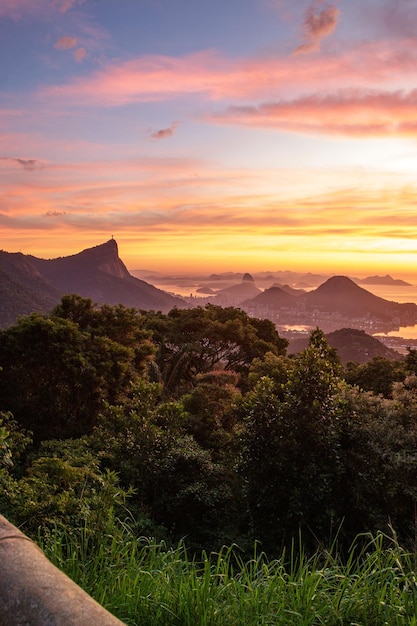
{"points": [[337, 302], [30, 284]]}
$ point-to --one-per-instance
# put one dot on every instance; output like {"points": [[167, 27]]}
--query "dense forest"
{"points": [[198, 425]]}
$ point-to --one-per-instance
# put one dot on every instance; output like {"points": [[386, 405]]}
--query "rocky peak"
{"points": [[105, 257], [247, 278]]}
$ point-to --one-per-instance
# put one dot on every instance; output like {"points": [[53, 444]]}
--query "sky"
{"points": [[231, 135]]}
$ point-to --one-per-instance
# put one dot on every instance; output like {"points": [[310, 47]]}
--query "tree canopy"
{"points": [[197, 424]]}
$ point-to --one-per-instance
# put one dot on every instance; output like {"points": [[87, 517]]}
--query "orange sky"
{"points": [[198, 149]]}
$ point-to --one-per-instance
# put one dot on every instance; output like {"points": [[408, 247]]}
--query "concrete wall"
{"points": [[33, 592]]}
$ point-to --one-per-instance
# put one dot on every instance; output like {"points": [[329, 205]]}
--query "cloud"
{"points": [[69, 43], [320, 21], [395, 19], [27, 164], [80, 54], [351, 113], [65, 43], [164, 133], [211, 76], [18, 9], [65, 5]]}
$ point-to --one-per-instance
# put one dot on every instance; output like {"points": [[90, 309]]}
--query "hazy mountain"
{"points": [[28, 283], [290, 290], [336, 303], [236, 294], [274, 298], [341, 294], [383, 280], [351, 345]]}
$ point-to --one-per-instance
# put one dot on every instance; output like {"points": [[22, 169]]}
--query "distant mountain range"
{"points": [[383, 280], [29, 284], [214, 282], [338, 302]]}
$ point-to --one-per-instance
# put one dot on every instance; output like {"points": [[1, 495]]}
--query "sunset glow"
{"points": [[245, 136]]}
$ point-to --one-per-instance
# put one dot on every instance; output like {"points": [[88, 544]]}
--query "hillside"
{"points": [[341, 294], [337, 303], [22, 289], [236, 294], [351, 345], [383, 280], [29, 284], [275, 298]]}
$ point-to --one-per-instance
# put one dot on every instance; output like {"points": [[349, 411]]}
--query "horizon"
{"points": [[205, 274], [198, 147]]}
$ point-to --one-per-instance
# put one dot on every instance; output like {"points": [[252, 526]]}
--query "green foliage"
{"points": [[196, 341], [143, 582], [180, 485], [290, 448], [205, 425], [55, 372], [119, 324], [211, 412], [63, 485], [378, 375], [13, 445], [276, 367], [13, 442]]}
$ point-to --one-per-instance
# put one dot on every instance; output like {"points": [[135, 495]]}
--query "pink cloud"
{"points": [[65, 43], [164, 133], [397, 19], [347, 112], [65, 5], [80, 54], [320, 21], [17, 9], [210, 76]]}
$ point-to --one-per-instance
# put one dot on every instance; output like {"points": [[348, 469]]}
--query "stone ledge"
{"points": [[33, 592]]}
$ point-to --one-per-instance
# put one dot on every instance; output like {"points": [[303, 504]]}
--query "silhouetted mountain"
{"points": [[351, 345], [384, 280], [337, 303], [22, 289], [236, 294], [28, 283], [291, 290], [274, 298], [247, 278], [340, 294]]}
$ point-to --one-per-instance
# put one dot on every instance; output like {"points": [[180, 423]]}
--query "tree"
{"points": [[378, 375], [120, 324], [55, 374], [178, 484], [290, 446], [196, 341], [211, 413]]}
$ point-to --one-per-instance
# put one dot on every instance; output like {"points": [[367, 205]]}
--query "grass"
{"points": [[142, 582]]}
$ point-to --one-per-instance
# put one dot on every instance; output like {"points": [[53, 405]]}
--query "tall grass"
{"points": [[148, 583]]}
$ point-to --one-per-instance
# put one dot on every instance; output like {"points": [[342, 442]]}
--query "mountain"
{"points": [[338, 302], [384, 280], [351, 345], [23, 290], [28, 283], [340, 294], [236, 294], [274, 298]]}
